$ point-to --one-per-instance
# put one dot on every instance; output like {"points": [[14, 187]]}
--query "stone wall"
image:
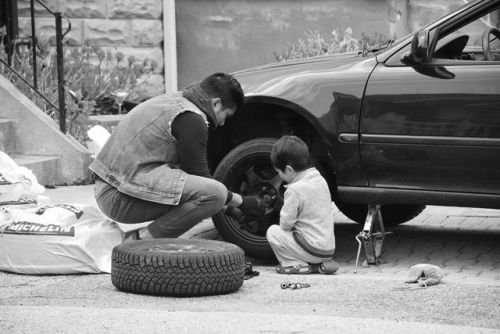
{"points": [[133, 27]]}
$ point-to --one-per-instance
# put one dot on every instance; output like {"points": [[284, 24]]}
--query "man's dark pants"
{"points": [[201, 198]]}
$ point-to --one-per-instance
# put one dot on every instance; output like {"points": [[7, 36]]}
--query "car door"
{"points": [[434, 127]]}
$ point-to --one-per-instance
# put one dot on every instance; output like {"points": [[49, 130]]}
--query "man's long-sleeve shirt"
{"points": [[191, 133]]}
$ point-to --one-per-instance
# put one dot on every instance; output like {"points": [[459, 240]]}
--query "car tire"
{"points": [[177, 267], [392, 214], [243, 160]]}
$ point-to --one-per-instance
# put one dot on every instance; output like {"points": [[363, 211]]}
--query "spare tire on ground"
{"points": [[177, 267]]}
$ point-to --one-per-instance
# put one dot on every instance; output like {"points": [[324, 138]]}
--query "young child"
{"points": [[304, 240]]}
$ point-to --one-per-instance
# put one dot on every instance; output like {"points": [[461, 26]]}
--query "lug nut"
{"points": [[294, 286]]}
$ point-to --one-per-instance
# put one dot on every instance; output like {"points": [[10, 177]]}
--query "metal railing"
{"points": [[59, 59]]}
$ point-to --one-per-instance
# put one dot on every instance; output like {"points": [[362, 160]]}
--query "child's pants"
{"points": [[287, 250]]}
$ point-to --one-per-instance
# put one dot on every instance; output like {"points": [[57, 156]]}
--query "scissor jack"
{"points": [[372, 237]]}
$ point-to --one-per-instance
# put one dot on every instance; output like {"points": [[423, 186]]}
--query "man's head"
{"points": [[290, 156], [225, 93]]}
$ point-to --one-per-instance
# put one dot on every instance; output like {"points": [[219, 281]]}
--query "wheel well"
{"points": [[271, 120]]}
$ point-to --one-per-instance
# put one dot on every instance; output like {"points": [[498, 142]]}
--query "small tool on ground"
{"points": [[294, 286], [249, 272]]}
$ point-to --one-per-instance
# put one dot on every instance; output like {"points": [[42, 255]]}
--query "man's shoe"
{"points": [[144, 234], [131, 236]]}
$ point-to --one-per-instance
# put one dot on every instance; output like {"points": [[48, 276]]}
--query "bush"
{"points": [[315, 45], [91, 75]]}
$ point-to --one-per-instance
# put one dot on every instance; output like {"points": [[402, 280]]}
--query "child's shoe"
{"points": [[298, 269], [328, 267]]}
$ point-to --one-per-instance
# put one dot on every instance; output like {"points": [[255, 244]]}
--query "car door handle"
{"points": [[349, 138]]}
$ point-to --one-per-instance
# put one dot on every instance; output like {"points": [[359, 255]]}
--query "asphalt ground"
{"points": [[464, 242]]}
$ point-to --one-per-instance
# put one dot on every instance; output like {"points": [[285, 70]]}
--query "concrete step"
{"points": [[45, 168], [7, 136], [37, 134]]}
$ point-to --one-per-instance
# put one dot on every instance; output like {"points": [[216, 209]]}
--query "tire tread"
{"points": [[179, 275]]}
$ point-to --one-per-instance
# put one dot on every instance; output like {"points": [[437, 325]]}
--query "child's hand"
{"points": [[253, 205]]}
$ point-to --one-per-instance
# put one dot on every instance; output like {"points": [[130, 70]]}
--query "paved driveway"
{"points": [[464, 242]]}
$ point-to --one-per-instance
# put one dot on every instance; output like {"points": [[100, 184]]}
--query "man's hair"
{"points": [[292, 151], [225, 87]]}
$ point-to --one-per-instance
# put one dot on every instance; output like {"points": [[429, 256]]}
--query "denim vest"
{"points": [[140, 157]]}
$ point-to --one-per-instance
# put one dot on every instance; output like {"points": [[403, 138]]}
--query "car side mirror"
{"points": [[422, 47]]}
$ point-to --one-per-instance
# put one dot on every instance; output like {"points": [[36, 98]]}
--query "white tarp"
{"points": [[17, 182]]}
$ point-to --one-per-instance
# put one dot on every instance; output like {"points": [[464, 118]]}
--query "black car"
{"points": [[414, 124]]}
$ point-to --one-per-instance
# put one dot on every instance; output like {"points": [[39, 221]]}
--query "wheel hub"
{"points": [[267, 193]]}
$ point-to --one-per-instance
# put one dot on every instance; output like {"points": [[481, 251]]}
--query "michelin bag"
{"points": [[56, 239]]}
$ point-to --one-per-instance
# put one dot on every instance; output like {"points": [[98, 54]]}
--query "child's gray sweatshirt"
{"points": [[308, 212]]}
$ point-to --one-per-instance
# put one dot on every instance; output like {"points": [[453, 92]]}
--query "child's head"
{"points": [[290, 156]]}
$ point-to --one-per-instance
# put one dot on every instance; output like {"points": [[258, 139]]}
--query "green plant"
{"points": [[91, 76], [315, 45]]}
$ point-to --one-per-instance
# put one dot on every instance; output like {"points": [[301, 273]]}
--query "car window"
{"points": [[466, 43], [463, 44]]}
